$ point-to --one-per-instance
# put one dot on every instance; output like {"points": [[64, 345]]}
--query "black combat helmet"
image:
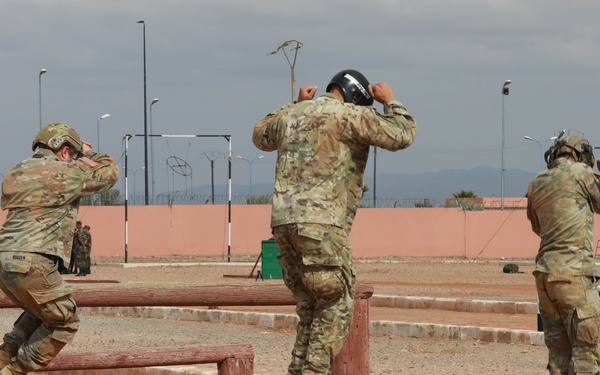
{"points": [[354, 85], [572, 145]]}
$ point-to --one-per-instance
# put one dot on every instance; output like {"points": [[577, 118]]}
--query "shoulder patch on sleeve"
{"points": [[88, 161]]}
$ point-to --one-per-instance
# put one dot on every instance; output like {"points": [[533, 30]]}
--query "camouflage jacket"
{"points": [[322, 149], [86, 239], [42, 195], [78, 240], [561, 204], [88, 244]]}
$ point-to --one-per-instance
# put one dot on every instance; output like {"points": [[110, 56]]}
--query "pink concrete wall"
{"points": [[202, 229], [408, 231]]}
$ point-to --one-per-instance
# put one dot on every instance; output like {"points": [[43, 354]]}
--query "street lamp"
{"points": [[145, 121], [153, 102], [502, 169], [541, 150], [292, 64], [42, 71], [250, 167], [98, 130]]}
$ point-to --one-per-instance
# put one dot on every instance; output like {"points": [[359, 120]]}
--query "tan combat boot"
{"points": [[14, 368], [8, 352]]}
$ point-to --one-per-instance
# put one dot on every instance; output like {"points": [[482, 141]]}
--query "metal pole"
{"points": [[145, 124], [154, 101], [375, 177], [42, 71], [229, 155], [250, 173], [212, 180], [293, 82], [502, 168], [291, 63], [250, 167], [126, 139]]}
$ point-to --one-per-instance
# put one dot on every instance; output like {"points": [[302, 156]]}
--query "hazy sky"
{"points": [[207, 63]]}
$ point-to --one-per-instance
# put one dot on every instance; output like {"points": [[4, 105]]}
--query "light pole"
{"points": [[250, 167], [145, 122], [42, 71], [292, 63], [541, 150], [153, 102], [502, 169], [98, 130], [134, 179]]}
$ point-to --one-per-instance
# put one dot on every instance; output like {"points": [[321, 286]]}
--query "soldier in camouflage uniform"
{"points": [[83, 237], [76, 249], [88, 252], [42, 196], [561, 204], [322, 149]]}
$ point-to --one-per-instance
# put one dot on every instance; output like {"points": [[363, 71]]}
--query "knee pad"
{"points": [[324, 281]]}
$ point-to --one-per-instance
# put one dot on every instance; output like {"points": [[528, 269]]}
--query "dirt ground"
{"points": [[433, 277]]}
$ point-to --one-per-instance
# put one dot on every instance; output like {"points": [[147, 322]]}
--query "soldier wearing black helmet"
{"points": [[561, 204], [322, 149], [42, 196]]}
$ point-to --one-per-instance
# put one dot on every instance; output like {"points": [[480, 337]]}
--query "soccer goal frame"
{"points": [[126, 139]]}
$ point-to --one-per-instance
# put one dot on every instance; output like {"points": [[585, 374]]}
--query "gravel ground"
{"points": [[444, 277]]}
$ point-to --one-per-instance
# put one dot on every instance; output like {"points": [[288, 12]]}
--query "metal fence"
{"points": [[197, 199]]}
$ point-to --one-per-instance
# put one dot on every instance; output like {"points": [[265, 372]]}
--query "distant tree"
{"points": [[465, 194], [463, 200], [424, 203]]}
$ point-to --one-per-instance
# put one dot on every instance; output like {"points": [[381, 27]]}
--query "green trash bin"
{"points": [[270, 267]]}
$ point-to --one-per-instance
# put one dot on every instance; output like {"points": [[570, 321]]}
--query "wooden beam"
{"points": [[230, 357], [184, 294]]}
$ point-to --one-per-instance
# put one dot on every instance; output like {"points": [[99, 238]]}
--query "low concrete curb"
{"points": [[289, 321], [454, 304], [453, 332]]}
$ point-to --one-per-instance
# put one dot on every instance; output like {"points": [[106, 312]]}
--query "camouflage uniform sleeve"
{"points": [[103, 172], [266, 132], [593, 188], [531, 215], [261, 134], [393, 130]]}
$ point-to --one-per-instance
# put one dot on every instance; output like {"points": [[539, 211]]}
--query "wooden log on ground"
{"points": [[184, 294], [231, 359]]}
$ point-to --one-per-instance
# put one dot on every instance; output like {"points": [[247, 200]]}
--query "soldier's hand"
{"points": [[598, 163], [86, 146], [307, 93], [381, 92]]}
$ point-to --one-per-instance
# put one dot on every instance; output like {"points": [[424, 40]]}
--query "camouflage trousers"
{"points": [[317, 267], [49, 320], [81, 256], [570, 310]]}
